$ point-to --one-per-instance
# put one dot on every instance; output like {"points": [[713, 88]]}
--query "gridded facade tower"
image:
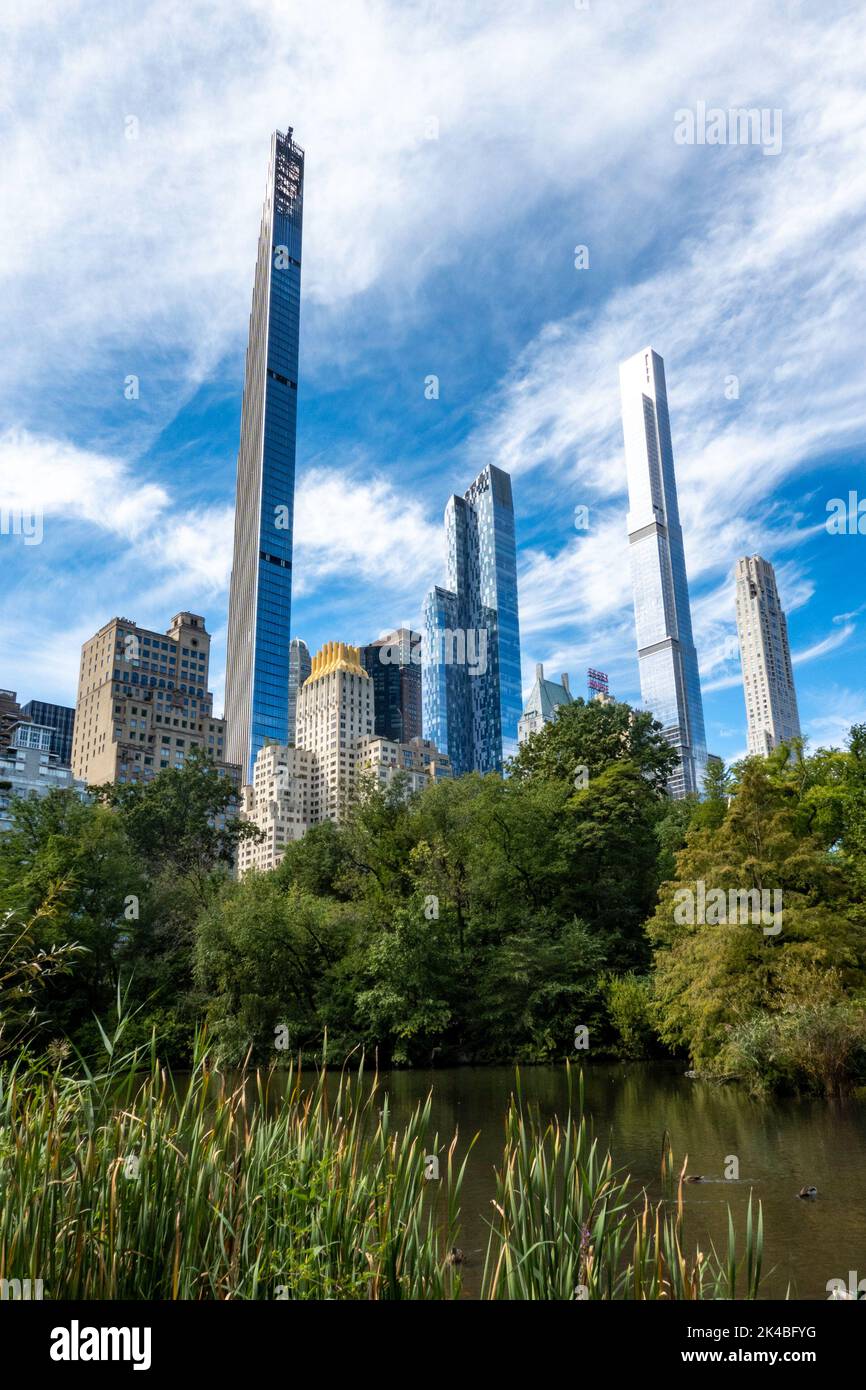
{"points": [[669, 680], [257, 669], [278, 802], [393, 663], [143, 702], [768, 679], [61, 720], [335, 711], [471, 674], [300, 665]]}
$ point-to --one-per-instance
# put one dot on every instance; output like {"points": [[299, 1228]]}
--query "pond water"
{"points": [[781, 1146]]}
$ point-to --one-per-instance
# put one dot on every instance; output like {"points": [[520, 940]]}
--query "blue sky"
{"points": [[456, 156]]}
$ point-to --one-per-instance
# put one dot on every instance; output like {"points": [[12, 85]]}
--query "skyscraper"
{"points": [[257, 669], [300, 665], [471, 674], [768, 680], [393, 663], [143, 702], [545, 700], [335, 711], [669, 680], [61, 720]]}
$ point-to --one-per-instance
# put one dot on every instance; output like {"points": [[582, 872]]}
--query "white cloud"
{"points": [[60, 480]]}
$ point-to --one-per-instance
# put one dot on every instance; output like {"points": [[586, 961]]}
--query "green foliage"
{"points": [[630, 1014], [592, 735], [482, 920], [179, 822], [262, 1189], [24, 970], [791, 826], [126, 875], [565, 1227], [263, 960]]}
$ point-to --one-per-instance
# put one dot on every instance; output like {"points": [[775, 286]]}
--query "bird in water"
{"points": [[697, 1177], [807, 1192], [455, 1256]]}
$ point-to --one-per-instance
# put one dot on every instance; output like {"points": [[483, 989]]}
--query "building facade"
{"points": [[278, 802], [394, 663], [11, 715], [335, 710], [669, 680], [471, 675], [417, 761], [61, 720], [29, 767], [544, 700], [260, 597], [319, 777], [765, 654], [143, 702], [300, 666]]}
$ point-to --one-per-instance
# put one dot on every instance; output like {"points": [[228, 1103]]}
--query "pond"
{"points": [[781, 1146]]}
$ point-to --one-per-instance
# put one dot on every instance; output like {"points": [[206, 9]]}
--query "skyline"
{"points": [[141, 491]]}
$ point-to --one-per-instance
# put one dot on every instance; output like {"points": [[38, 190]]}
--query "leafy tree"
{"points": [[711, 979], [263, 959], [592, 735], [183, 822], [75, 859]]}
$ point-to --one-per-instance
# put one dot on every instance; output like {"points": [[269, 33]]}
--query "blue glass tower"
{"points": [[669, 680], [260, 600], [471, 673]]}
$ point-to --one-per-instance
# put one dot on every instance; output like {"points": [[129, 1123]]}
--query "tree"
{"points": [[713, 977], [591, 735], [76, 859], [264, 958], [183, 822]]}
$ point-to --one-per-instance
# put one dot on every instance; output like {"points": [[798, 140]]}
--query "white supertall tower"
{"points": [[668, 664], [768, 679]]}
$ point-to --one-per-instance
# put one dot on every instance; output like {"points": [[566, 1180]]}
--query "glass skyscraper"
{"points": [[300, 666], [61, 721], [669, 681], [471, 673], [257, 668], [393, 663]]}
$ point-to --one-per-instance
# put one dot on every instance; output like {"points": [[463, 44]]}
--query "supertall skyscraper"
{"points": [[768, 680], [471, 672], [669, 680], [257, 669]]}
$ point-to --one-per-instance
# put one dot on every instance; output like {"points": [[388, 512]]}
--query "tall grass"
{"points": [[566, 1225], [114, 1185], [121, 1183]]}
